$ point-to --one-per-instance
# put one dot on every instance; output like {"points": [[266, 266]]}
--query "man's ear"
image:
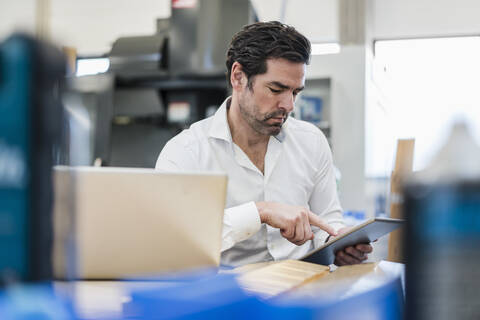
{"points": [[238, 79]]}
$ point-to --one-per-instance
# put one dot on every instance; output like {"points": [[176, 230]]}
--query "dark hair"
{"points": [[257, 42]]}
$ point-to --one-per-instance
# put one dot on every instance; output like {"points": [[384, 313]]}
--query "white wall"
{"points": [[347, 73], [16, 16], [425, 18], [92, 26], [317, 20], [89, 26]]}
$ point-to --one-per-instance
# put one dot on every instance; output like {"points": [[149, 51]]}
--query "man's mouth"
{"points": [[276, 117]]}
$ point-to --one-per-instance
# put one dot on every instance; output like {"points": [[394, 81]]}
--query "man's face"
{"points": [[266, 105]]}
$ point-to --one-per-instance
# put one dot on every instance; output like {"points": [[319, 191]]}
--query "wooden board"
{"points": [[403, 167], [347, 281], [273, 279]]}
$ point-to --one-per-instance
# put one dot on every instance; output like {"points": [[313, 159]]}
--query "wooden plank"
{"points": [[403, 167], [280, 277], [404, 157], [71, 56], [348, 281]]}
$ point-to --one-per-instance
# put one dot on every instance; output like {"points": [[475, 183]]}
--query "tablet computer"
{"points": [[366, 232]]}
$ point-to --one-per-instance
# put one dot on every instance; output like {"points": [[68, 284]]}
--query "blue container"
{"points": [[311, 108], [385, 302], [220, 297], [443, 255], [30, 117], [33, 302], [214, 297]]}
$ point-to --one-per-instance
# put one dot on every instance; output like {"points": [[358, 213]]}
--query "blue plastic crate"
{"points": [[33, 302], [211, 297]]}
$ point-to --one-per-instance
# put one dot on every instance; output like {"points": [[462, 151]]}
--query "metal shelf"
{"points": [[168, 83]]}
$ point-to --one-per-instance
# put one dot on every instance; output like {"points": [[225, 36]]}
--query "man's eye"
{"points": [[275, 90]]}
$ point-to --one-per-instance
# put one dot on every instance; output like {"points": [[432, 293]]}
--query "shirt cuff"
{"points": [[239, 223]]}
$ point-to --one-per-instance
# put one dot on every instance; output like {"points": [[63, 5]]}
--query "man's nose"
{"points": [[288, 102]]}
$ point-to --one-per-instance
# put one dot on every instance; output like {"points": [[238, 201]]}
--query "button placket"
{"points": [[274, 151]]}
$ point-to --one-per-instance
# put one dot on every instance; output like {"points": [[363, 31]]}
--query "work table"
{"points": [[287, 280]]}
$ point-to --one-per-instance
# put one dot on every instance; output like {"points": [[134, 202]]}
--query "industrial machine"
{"points": [[161, 83]]}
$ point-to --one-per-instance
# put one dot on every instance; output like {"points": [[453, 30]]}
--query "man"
{"points": [[281, 198]]}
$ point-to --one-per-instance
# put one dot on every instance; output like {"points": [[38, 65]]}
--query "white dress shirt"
{"points": [[298, 171]]}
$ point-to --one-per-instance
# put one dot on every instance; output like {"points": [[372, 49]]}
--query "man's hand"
{"points": [[294, 222], [353, 254]]}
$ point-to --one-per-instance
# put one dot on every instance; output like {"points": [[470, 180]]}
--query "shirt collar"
{"points": [[221, 130]]}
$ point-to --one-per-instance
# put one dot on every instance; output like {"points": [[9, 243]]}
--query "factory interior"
{"points": [[119, 200]]}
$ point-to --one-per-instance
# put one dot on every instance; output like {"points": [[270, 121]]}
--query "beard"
{"points": [[259, 122]]}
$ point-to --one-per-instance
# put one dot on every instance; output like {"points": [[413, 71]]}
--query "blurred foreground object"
{"points": [[276, 290], [36, 302], [442, 206], [116, 223], [30, 117]]}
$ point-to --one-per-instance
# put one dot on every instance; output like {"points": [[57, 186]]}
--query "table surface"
{"points": [[290, 278]]}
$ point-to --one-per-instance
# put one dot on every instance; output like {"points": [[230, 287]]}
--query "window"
{"points": [[420, 87], [91, 66]]}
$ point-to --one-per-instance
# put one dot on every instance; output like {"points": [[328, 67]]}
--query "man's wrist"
{"points": [[262, 212]]}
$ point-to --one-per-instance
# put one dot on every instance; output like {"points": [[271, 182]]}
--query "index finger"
{"points": [[314, 220]]}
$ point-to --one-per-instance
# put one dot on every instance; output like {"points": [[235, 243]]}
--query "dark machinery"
{"points": [[164, 82]]}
